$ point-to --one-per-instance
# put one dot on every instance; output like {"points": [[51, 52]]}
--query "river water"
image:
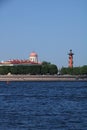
{"points": [[43, 106]]}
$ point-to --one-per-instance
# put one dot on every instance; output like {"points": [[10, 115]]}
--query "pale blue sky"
{"points": [[49, 27]]}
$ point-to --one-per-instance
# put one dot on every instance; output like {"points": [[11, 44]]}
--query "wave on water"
{"points": [[43, 106]]}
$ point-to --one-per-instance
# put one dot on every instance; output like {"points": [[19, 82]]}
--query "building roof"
{"points": [[21, 62]]}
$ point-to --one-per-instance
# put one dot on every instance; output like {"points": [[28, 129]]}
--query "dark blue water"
{"points": [[43, 106]]}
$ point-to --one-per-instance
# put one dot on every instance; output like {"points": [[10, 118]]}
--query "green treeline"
{"points": [[74, 71], [48, 68], [45, 68], [20, 69]]}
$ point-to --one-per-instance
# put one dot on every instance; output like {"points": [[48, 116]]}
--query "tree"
{"points": [[83, 70], [53, 69], [75, 70], [48, 68]]}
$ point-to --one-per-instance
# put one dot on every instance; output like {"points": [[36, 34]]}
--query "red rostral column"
{"points": [[70, 59]]}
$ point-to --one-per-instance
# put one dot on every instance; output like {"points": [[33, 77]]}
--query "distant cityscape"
{"points": [[33, 60], [33, 66]]}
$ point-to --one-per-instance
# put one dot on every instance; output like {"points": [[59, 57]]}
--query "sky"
{"points": [[48, 27]]}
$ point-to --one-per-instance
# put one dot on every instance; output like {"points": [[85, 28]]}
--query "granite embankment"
{"points": [[42, 78]]}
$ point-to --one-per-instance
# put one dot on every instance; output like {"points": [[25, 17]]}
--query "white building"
{"points": [[33, 57]]}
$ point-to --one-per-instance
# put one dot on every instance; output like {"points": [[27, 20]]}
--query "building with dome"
{"points": [[33, 57], [33, 60]]}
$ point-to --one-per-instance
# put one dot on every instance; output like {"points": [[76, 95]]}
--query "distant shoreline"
{"points": [[42, 78]]}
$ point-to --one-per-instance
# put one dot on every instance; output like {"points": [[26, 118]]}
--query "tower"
{"points": [[33, 57], [70, 63]]}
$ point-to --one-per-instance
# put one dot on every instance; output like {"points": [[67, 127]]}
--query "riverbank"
{"points": [[42, 78]]}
